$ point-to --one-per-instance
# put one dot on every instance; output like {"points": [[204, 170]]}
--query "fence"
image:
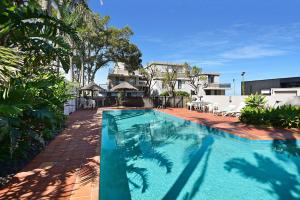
{"points": [[147, 102]]}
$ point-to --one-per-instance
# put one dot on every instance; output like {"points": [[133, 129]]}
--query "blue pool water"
{"points": [[147, 154]]}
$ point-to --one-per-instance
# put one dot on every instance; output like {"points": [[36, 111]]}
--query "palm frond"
{"points": [[10, 63]]}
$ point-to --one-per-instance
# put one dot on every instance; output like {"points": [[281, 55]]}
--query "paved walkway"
{"points": [[69, 166], [233, 126]]}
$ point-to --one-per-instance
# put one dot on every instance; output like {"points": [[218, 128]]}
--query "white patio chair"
{"points": [[82, 103], [225, 110], [212, 107], [237, 111], [90, 104]]}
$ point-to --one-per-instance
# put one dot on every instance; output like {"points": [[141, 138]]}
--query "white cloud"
{"points": [[252, 51]]}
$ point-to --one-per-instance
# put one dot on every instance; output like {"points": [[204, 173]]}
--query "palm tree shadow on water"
{"points": [[284, 184], [131, 146], [177, 187]]}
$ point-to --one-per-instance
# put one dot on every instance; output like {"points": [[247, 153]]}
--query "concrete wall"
{"points": [[224, 101]]}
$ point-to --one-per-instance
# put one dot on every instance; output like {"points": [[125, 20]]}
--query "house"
{"points": [[210, 85], [279, 87], [120, 74]]}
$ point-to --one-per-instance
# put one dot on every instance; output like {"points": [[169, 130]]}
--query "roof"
{"points": [[92, 86], [211, 73], [180, 65], [278, 79], [123, 86], [166, 63]]}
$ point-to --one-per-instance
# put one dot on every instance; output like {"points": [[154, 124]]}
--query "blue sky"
{"points": [[260, 37]]}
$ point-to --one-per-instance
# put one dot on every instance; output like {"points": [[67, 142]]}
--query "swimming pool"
{"points": [[147, 154]]}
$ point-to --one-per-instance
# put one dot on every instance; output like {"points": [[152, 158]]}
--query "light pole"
{"points": [[233, 80], [243, 82]]}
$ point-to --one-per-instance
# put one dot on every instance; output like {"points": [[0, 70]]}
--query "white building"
{"points": [[120, 74], [210, 86]]}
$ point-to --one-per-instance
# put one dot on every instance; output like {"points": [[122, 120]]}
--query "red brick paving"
{"points": [[69, 166], [233, 126]]}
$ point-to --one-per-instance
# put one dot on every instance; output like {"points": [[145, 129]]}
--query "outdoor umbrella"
{"points": [[123, 86], [92, 87]]}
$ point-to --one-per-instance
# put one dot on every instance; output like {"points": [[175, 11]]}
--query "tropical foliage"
{"points": [[256, 101], [37, 47], [255, 112]]}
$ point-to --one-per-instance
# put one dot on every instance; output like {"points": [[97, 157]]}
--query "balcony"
{"points": [[216, 86], [162, 74]]}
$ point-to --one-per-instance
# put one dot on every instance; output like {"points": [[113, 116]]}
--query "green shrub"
{"points": [[182, 94], [31, 113], [256, 101], [177, 93], [285, 116], [250, 115], [166, 93]]}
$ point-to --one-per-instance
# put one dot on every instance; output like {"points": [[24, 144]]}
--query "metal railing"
{"points": [[219, 85], [149, 102]]}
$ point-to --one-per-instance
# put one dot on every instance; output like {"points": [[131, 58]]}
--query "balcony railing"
{"points": [[162, 74], [219, 85]]}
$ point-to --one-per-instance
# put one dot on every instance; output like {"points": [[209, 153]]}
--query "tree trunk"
{"points": [[93, 75], [82, 72]]}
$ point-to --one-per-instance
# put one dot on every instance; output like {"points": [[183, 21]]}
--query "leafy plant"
{"points": [[256, 101], [286, 116], [177, 93], [253, 115], [182, 94]]}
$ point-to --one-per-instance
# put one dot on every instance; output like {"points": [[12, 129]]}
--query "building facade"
{"points": [[209, 86], [120, 74], [280, 86]]}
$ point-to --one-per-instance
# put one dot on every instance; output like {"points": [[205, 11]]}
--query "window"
{"points": [[211, 79], [179, 84]]}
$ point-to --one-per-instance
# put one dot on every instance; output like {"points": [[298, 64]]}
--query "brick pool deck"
{"points": [[233, 126], [69, 166]]}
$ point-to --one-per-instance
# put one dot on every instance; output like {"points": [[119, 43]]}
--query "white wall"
{"points": [[70, 107], [157, 87], [224, 101]]}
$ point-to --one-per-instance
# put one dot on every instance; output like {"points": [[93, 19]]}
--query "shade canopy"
{"points": [[93, 87], [123, 86]]}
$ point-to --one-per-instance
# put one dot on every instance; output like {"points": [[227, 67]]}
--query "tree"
{"points": [[149, 73], [101, 44], [196, 79], [169, 78]]}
